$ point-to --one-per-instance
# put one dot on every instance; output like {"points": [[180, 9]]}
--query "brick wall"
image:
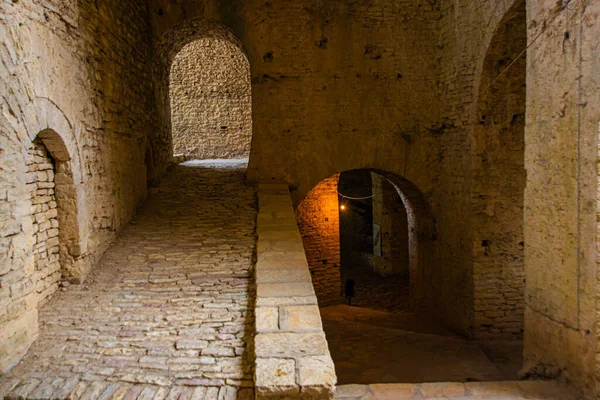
{"points": [[41, 172], [318, 221], [498, 175]]}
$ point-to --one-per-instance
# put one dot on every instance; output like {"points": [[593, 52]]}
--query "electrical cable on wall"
{"points": [[566, 5]]}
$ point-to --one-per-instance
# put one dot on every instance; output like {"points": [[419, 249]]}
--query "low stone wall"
{"points": [[292, 356]]}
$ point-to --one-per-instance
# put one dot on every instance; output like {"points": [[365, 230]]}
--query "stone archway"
{"points": [[318, 220], [211, 108], [167, 49], [498, 183]]}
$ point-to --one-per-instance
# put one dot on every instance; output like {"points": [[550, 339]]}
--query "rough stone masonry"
{"points": [[396, 86], [169, 310]]}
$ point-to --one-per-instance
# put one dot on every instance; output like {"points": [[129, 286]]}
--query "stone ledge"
{"points": [[292, 356]]}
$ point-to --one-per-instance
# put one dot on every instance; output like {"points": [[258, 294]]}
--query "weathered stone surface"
{"points": [[267, 319], [301, 318], [290, 344], [284, 289], [169, 305], [290, 335], [317, 374], [211, 109], [442, 389], [280, 374]]}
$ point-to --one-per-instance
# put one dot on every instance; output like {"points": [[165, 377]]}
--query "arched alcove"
{"points": [[51, 162], [498, 173]]}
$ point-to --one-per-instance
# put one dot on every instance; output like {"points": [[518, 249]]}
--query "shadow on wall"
{"points": [[498, 165], [320, 222]]}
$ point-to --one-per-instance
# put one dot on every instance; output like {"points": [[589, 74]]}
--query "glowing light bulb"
{"points": [[343, 207]]}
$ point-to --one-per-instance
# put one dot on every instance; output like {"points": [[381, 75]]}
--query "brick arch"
{"points": [[167, 48], [498, 181], [318, 219], [53, 126]]}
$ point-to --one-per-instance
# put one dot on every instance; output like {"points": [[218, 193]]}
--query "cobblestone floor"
{"points": [[167, 313]]}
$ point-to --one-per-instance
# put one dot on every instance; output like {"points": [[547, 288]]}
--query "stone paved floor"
{"points": [[167, 313], [409, 349], [510, 390]]}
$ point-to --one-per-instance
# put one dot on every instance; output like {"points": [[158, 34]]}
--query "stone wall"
{"points": [[390, 214], [498, 175], [559, 208], [318, 217], [40, 180], [292, 356], [75, 74], [306, 57], [561, 158], [211, 109]]}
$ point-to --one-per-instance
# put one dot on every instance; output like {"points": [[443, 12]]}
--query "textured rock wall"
{"points": [[77, 72], [305, 57], [499, 183], [561, 158], [318, 217], [211, 109], [44, 216]]}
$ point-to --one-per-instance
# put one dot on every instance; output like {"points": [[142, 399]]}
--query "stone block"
{"points": [[443, 389], [283, 275], [301, 318], [290, 344], [284, 289], [317, 372], [267, 319], [275, 376], [280, 301]]}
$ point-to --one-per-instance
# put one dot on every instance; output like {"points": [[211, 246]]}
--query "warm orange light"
{"points": [[343, 207]]}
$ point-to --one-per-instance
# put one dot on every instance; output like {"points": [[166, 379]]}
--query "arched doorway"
{"points": [[374, 242], [211, 109], [319, 216], [203, 96]]}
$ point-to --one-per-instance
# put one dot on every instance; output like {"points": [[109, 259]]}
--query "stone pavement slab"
{"points": [[168, 312]]}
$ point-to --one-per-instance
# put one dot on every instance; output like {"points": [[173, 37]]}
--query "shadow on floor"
{"points": [[371, 346]]}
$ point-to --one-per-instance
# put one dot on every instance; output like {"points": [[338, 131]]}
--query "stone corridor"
{"points": [[168, 313]]}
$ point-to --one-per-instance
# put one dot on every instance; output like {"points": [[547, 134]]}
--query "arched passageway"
{"points": [[58, 250], [203, 96], [369, 237], [374, 243], [498, 151], [211, 110], [330, 221]]}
